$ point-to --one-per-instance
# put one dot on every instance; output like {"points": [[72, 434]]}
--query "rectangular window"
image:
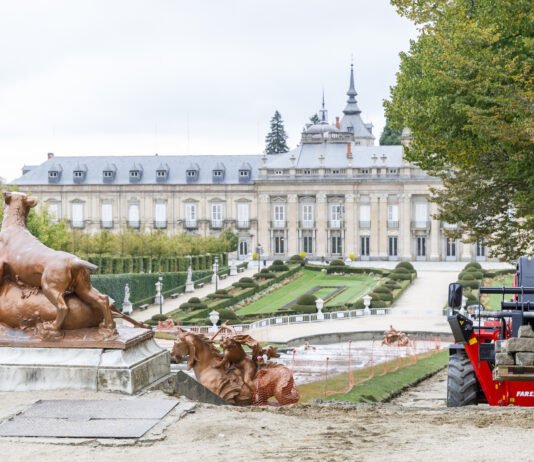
{"points": [[52, 174], [364, 171], [133, 215], [134, 173], [307, 244], [53, 210], [190, 212], [450, 247], [481, 249], [364, 246], [279, 215], [216, 215], [243, 172], [279, 245], [392, 246], [307, 216], [108, 174], [77, 215], [217, 172], [160, 213], [337, 245], [393, 212], [107, 215], [421, 247], [242, 212], [335, 215], [421, 214], [78, 174], [365, 216]]}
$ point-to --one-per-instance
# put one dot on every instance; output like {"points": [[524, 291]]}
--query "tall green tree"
{"points": [[314, 119], [466, 91], [277, 137], [390, 137]]}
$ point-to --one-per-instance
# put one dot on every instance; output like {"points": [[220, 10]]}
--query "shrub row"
{"points": [[142, 286], [112, 264]]}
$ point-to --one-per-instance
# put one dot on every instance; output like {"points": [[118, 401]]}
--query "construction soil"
{"points": [[415, 426]]}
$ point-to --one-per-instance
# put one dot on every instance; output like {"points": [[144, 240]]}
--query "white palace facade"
{"points": [[334, 195]]}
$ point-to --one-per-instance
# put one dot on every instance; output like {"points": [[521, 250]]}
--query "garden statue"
{"points": [[127, 304], [189, 286], [43, 290], [233, 375], [393, 336]]}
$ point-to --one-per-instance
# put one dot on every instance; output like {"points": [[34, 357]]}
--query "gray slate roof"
{"points": [[335, 156], [148, 164]]}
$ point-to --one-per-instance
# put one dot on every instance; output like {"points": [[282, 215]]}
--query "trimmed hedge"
{"points": [[337, 263], [296, 258], [400, 277], [474, 264], [226, 314], [277, 263], [402, 270], [407, 265], [304, 309], [279, 268], [358, 304], [470, 284], [383, 289], [466, 276], [392, 284], [142, 286], [378, 304], [306, 299]]}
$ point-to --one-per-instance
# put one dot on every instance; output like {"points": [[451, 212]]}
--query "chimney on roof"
{"points": [[337, 123], [384, 158], [349, 151], [50, 155]]}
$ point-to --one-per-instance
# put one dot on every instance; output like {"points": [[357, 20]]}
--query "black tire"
{"points": [[462, 383]]}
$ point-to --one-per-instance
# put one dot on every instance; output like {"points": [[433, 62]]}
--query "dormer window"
{"points": [[217, 173], [161, 173], [108, 174], [243, 173], [278, 172], [364, 171], [134, 173], [78, 174], [191, 173], [53, 174]]}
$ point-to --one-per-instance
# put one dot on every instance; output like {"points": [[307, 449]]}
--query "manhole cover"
{"points": [[88, 418]]}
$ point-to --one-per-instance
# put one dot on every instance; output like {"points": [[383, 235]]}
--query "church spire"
{"points": [[324, 113], [352, 105]]}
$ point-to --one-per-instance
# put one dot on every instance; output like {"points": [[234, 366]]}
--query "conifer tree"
{"points": [[276, 138], [390, 137]]}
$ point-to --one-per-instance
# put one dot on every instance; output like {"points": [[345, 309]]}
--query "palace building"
{"points": [[334, 195]]}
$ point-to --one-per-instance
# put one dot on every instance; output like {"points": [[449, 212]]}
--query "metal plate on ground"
{"points": [[88, 418]]}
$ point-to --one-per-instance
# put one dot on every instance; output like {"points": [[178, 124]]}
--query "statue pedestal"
{"points": [[124, 370], [190, 287]]}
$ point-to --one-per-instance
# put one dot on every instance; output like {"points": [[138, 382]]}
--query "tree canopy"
{"points": [[390, 137], [277, 137], [466, 91]]}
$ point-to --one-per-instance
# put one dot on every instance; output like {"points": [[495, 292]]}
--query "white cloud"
{"points": [[130, 77]]}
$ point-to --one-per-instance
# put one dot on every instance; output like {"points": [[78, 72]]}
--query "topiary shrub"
{"points": [[265, 270], [473, 264], [378, 304], [277, 262], [246, 280], [467, 277], [401, 270], [470, 284], [279, 268], [296, 258], [400, 277], [193, 304], [392, 284], [194, 300], [264, 275], [383, 289], [304, 309], [358, 305], [337, 263], [226, 314], [382, 296], [220, 291], [307, 299], [160, 317], [406, 265]]}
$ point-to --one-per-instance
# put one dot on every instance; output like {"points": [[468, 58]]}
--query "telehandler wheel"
{"points": [[462, 384]]}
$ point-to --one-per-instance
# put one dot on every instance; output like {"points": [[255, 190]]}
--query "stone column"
{"points": [[356, 207], [434, 234], [375, 235], [383, 227], [349, 225], [292, 219], [264, 217], [320, 245], [405, 228]]}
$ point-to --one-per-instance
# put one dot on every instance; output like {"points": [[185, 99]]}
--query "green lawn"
{"points": [[495, 300], [355, 286]]}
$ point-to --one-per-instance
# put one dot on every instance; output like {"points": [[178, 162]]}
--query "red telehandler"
{"points": [[473, 376]]}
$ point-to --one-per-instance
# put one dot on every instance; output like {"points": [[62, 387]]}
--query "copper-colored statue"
{"points": [[235, 376], [35, 280], [393, 336]]}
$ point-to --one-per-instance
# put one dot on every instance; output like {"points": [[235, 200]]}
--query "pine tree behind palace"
{"points": [[334, 195]]}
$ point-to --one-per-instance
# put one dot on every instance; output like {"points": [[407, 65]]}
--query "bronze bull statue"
{"points": [[36, 268]]}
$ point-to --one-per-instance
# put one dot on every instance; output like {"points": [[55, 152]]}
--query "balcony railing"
{"points": [[216, 224], [393, 224], [335, 224], [278, 224], [190, 224], [77, 223], [133, 224], [243, 224], [307, 224], [449, 225], [365, 224], [160, 224], [106, 224], [421, 224]]}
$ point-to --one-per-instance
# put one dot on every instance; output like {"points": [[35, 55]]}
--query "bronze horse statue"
{"points": [[36, 268], [226, 380]]}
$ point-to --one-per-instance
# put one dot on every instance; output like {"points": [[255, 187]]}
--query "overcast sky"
{"points": [[184, 77]]}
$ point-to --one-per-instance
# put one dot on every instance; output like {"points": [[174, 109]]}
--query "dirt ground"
{"points": [[415, 426]]}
